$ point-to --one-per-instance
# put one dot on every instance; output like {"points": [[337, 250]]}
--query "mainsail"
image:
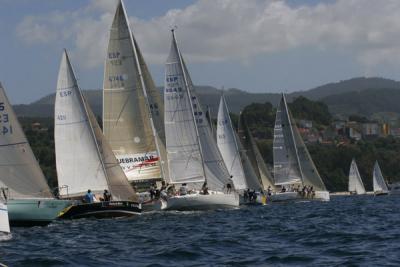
{"points": [[228, 146], [286, 164], [20, 174], [84, 159], [193, 156], [378, 180], [254, 155], [132, 107], [355, 182]]}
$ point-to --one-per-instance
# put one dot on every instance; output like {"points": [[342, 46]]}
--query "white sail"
{"points": [[228, 147], [254, 156], [193, 155], [286, 164], [84, 160], [4, 221], [20, 174], [126, 103], [355, 182], [310, 174], [378, 180], [252, 179]]}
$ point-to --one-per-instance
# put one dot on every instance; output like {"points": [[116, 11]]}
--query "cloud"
{"points": [[222, 30]]}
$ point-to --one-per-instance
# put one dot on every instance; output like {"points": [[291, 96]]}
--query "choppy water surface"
{"points": [[354, 231]]}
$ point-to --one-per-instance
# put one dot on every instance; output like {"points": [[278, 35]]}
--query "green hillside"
{"points": [[363, 96]]}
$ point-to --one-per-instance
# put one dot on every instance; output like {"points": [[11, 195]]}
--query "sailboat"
{"points": [[293, 165], [243, 175], [193, 157], [84, 159], [4, 221], [133, 122], [379, 184], [22, 183], [356, 185], [254, 155]]}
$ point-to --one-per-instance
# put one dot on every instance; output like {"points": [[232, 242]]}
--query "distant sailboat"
{"points": [[4, 221], [356, 185], [293, 165], [233, 154], [379, 184], [22, 183], [193, 156], [84, 159], [133, 121]]}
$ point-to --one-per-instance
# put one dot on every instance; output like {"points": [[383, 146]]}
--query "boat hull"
{"points": [[295, 196], [285, 196], [153, 205], [33, 212], [381, 193], [4, 221], [260, 200], [101, 210], [322, 195], [200, 202]]}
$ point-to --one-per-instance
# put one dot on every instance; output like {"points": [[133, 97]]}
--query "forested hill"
{"points": [[362, 96]]}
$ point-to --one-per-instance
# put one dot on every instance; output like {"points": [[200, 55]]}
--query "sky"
{"points": [[253, 45]]}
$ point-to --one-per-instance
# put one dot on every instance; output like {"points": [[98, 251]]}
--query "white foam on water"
{"points": [[5, 237]]}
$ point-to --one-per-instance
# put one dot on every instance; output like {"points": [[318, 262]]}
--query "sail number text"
{"points": [[65, 93], [6, 127]]}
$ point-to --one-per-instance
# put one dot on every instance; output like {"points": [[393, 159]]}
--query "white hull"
{"points": [[322, 195], [4, 222], [295, 196], [201, 202], [285, 196]]}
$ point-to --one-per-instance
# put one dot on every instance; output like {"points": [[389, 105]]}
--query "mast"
{"points": [[292, 134], [210, 120], [153, 129], [191, 104]]}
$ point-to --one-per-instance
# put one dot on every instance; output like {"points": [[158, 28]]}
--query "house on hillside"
{"points": [[370, 130], [353, 130]]}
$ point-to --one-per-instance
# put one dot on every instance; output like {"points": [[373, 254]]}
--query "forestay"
{"points": [[126, 117], [355, 182], [378, 180], [286, 165], [84, 160], [20, 174], [228, 146]]}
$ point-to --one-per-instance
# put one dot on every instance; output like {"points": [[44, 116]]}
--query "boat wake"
{"points": [[5, 237]]}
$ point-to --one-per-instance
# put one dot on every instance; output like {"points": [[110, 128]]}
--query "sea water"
{"points": [[347, 231]]}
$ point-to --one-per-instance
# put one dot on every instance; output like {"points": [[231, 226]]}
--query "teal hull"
{"points": [[30, 212]]}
